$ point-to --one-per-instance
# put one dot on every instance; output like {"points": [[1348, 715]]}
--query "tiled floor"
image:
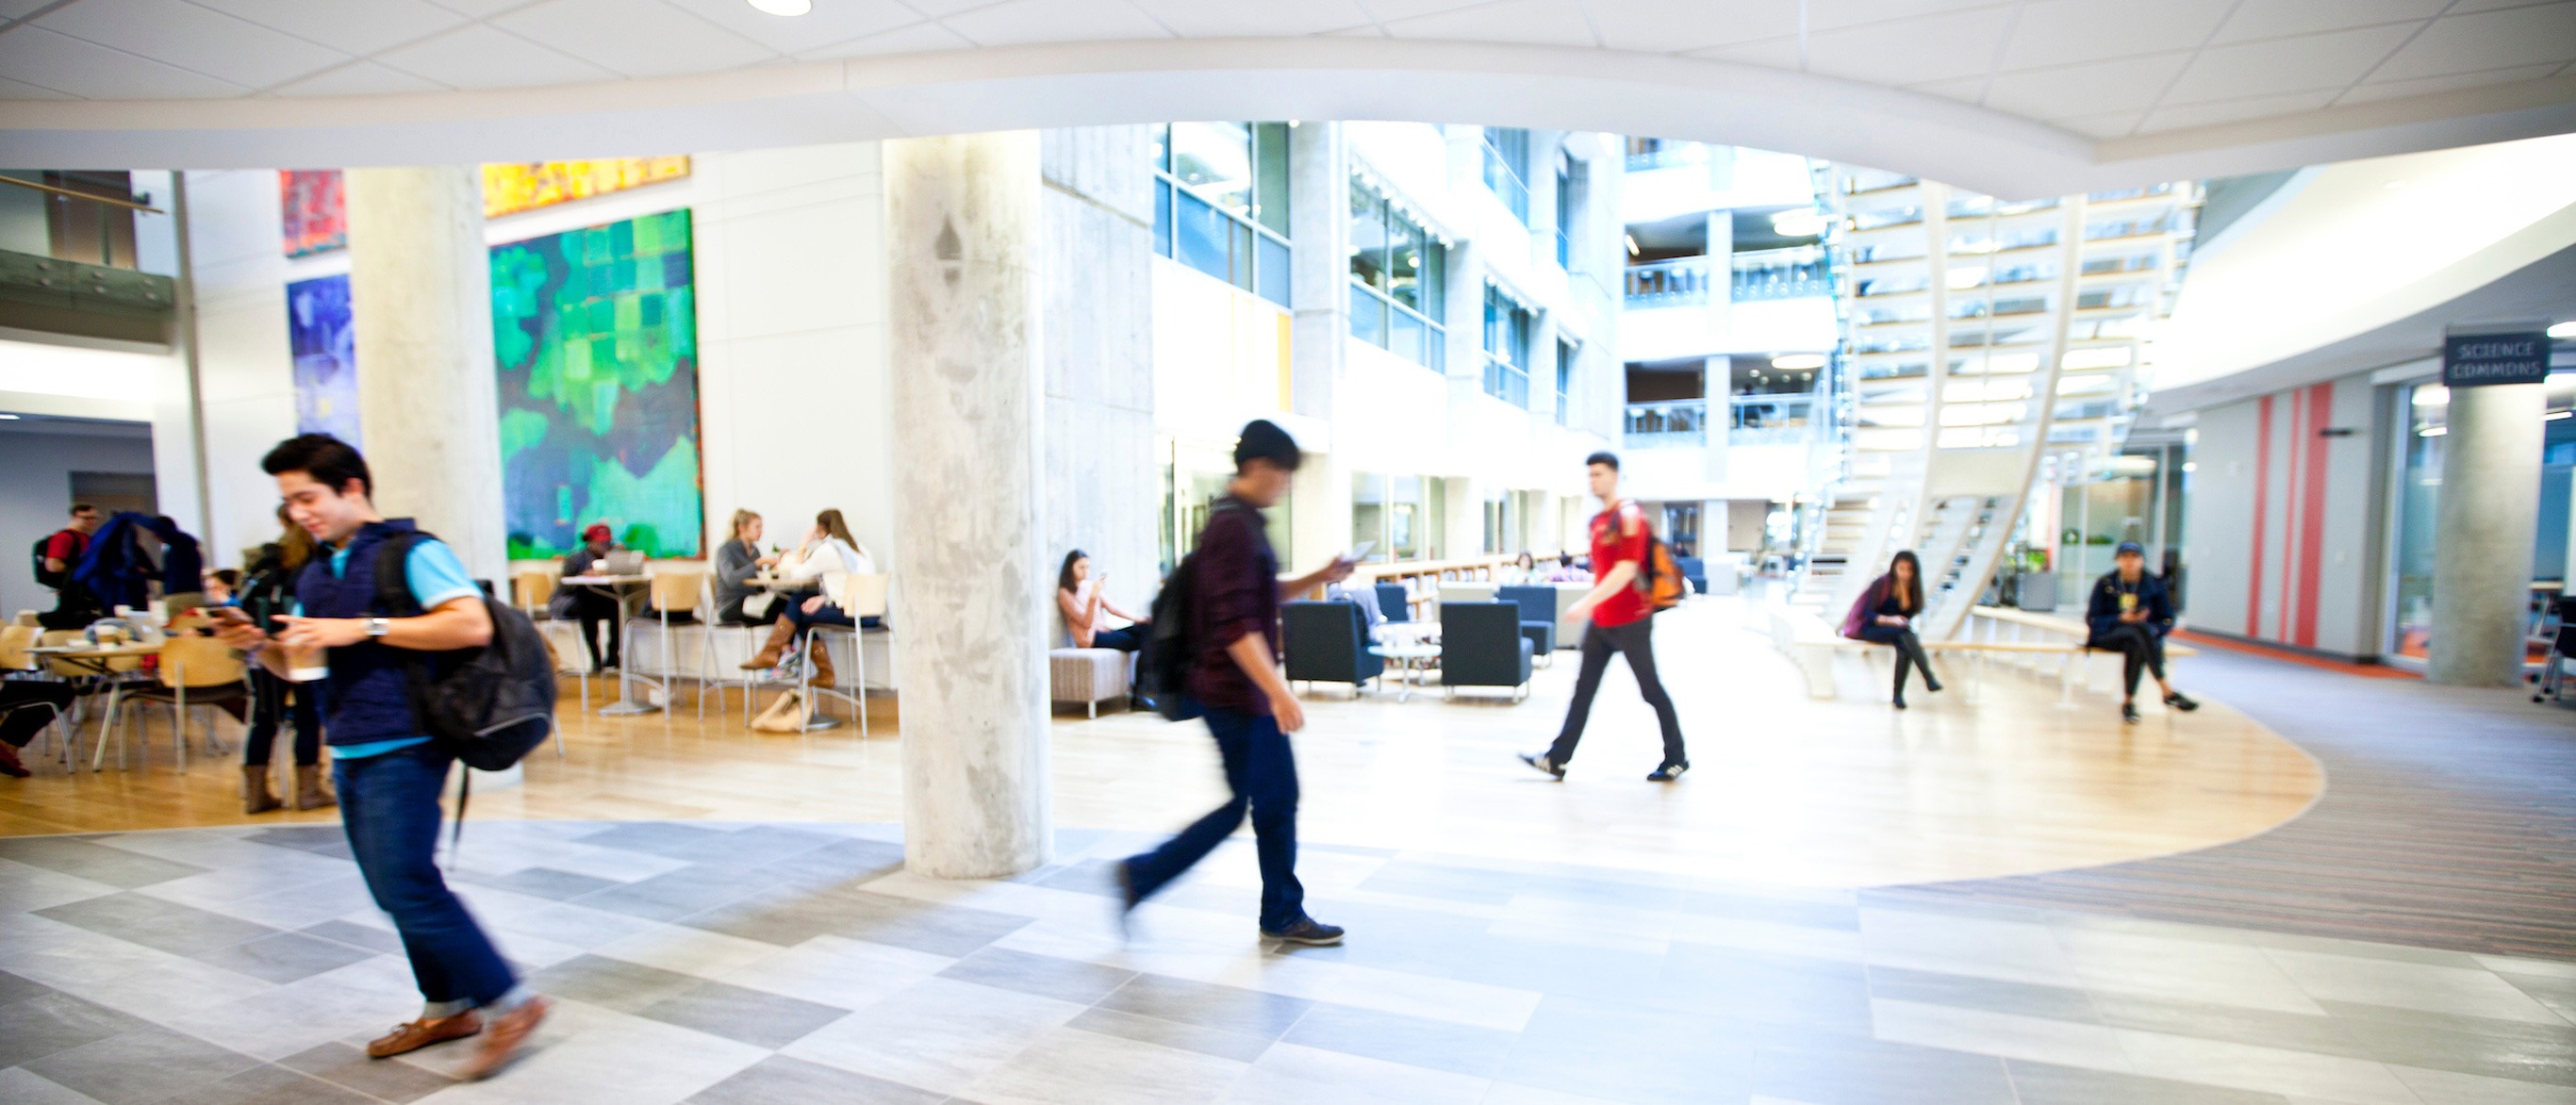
{"points": [[732, 963]]}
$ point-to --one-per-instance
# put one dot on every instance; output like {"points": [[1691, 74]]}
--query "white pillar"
{"points": [[420, 296], [962, 222], [2488, 519]]}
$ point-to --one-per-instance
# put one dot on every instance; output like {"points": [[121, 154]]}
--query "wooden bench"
{"points": [[2017, 637]]}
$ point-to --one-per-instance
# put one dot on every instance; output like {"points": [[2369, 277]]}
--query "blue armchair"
{"points": [[1538, 614], [1392, 602], [1695, 570], [1327, 642], [1481, 645]]}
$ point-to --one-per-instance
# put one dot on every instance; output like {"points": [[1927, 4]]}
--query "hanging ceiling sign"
{"points": [[2477, 356]]}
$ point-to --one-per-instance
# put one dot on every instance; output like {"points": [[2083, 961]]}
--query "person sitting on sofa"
{"points": [[1082, 597]]}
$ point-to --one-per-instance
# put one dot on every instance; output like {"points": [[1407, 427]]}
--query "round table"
{"points": [[1409, 660]]}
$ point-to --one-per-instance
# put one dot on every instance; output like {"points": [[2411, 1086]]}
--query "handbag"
{"points": [[787, 715]]}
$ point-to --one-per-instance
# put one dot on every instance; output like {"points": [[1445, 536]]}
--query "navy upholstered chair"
{"points": [[1695, 570], [1481, 645], [1327, 642], [1538, 614], [1392, 602]]}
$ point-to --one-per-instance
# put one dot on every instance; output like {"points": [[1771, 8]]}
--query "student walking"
{"points": [[1622, 622], [268, 591], [1233, 630], [2130, 614], [389, 772], [1884, 614]]}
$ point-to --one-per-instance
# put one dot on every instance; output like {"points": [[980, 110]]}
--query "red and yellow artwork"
{"points": [[316, 221], [512, 187]]}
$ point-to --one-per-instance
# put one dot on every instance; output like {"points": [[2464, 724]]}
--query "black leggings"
{"points": [[593, 609], [2142, 650], [1909, 650], [271, 709], [20, 716], [1635, 641]]}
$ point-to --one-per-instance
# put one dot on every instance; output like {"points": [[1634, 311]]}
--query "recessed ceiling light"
{"points": [[1799, 360], [784, 7], [8, 418], [2564, 331]]}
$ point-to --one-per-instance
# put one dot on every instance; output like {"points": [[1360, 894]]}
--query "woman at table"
{"points": [[829, 557], [594, 605], [269, 590], [1885, 615], [1082, 597], [737, 560], [1523, 572]]}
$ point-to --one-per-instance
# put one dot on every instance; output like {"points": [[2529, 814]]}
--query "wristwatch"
{"points": [[378, 627]]}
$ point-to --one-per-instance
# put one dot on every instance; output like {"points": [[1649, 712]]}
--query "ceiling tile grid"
{"points": [[633, 39], [1527, 22], [198, 39], [1023, 22]]}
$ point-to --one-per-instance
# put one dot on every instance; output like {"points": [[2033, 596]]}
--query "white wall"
{"points": [[34, 498]]}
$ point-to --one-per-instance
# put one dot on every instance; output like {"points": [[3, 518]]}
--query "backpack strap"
{"points": [[393, 588]]}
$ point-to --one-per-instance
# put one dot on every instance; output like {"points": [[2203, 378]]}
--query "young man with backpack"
{"points": [[388, 770], [1625, 559], [1230, 634], [56, 555]]}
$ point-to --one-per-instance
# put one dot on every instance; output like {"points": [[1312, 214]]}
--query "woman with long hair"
{"points": [[1081, 597], [829, 557], [737, 560], [267, 590], [1885, 615]]}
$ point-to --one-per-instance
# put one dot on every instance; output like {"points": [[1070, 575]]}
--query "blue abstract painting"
{"points": [[326, 357]]}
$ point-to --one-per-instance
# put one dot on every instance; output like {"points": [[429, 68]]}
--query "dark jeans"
{"points": [[270, 710], [828, 615], [21, 716], [1124, 639], [593, 609], [389, 805], [2142, 650], [1635, 641], [1263, 774], [1909, 650]]}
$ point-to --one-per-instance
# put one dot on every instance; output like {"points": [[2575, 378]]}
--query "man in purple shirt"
{"points": [[1234, 611]]}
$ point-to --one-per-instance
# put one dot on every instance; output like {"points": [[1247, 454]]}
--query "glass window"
{"points": [[2425, 412], [1221, 202], [1507, 328], [1564, 210], [1368, 237], [1565, 354], [1507, 168], [1215, 160], [1399, 278], [1270, 181]]}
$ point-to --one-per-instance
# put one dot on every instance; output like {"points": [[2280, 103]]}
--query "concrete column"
{"points": [[420, 296], [962, 246], [2489, 518], [1103, 490], [1319, 265]]}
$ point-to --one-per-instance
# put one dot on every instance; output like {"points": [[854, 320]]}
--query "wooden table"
{"points": [[618, 587], [98, 660]]}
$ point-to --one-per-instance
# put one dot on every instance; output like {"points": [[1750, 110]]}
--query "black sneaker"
{"points": [[1127, 900], [1540, 761], [1668, 772], [1307, 931], [2179, 702], [2129, 712]]}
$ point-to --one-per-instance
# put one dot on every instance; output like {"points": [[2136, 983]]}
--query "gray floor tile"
{"points": [[324, 839], [922, 927], [357, 936], [612, 983], [1824, 1068], [2049, 1084], [54, 1022], [1948, 906], [1230, 1008], [2021, 998], [268, 1085], [153, 923], [19, 1086], [1781, 911], [14, 989], [842, 863], [756, 1018], [1044, 975], [284, 957], [1453, 884], [1396, 1038], [2202, 1020], [1242, 1047], [541, 882], [657, 837], [95, 862], [1090, 876], [671, 896], [780, 1080], [2483, 1046], [1598, 891], [146, 1064], [2559, 994], [385, 1080], [1768, 987], [1589, 1049], [784, 916]]}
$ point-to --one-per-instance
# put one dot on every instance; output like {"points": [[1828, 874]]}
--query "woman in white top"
{"points": [[829, 557]]}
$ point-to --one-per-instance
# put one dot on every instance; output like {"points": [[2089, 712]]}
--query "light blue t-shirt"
{"points": [[435, 576]]}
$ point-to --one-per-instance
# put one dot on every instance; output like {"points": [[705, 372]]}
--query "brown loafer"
{"points": [[415, 1035], [509, 1030]]}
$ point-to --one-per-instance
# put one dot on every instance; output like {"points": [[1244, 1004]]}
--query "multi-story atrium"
{"points": [[2081, 494]]}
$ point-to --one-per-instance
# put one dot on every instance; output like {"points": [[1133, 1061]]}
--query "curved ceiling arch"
{"points": [[1097, 83]]}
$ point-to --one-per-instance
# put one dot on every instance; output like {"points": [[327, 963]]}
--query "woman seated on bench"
{"points": [[1082, 597], [1885, 615], [2130, 614]]}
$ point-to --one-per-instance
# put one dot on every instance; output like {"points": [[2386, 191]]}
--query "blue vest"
{"points": [[367, 697]]}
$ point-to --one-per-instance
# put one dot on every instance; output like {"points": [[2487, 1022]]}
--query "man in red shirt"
{"points": [[1622, 622], [74, 605]]}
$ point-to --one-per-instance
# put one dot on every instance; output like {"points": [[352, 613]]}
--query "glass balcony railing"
{"points": [[1679, 423], [1772, 419], [1678, 283], [1657, 154], [1796, 273]]}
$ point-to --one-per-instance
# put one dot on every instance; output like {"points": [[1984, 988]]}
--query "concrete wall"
{"points": [[2280, 518], [1097, 279], [38, 492]]}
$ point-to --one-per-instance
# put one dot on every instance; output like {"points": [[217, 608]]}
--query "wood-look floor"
{"points": [[1784, 789]]}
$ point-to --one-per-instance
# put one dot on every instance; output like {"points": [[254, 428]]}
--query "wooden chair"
{"points": [[14, 642], [533, 590], [195, 671], [862, 597]]}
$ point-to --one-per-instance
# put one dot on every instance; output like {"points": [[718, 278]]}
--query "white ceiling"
{"points": [[2100, 81]]}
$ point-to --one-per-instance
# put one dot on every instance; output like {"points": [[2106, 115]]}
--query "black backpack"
{"points": [[1163, 665], [490, 704], [55, 580]]}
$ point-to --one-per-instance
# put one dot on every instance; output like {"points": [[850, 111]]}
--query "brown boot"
{"points": [[310, 793], [255, 795], [777, 646], [820, 667]]}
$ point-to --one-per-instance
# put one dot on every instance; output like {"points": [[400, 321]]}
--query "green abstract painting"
{"points": [[594, 333]]}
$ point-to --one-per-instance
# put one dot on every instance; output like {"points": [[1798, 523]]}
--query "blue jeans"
{"points": [[1263, 775], [389, 805]]}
